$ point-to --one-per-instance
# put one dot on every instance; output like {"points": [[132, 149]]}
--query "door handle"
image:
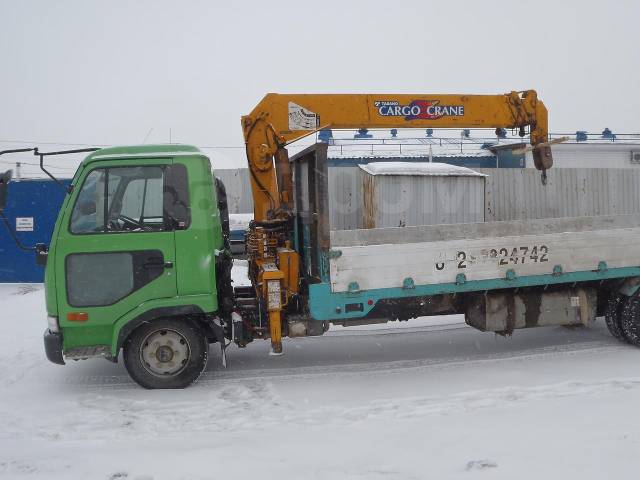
{"points": [[157, 264]]}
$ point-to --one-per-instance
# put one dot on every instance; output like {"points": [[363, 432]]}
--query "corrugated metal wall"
{"points": [[236, 181], [513, 194], [409, 200], [41, 200], [342, 180], [342, 173], [345, 198]]}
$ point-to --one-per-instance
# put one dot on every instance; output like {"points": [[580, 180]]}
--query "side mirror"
{"points": [[5, 178], [41, 254]]}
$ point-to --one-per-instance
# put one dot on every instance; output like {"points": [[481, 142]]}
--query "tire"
{"points": [[631, 320], [166, 353], [613, 314]]}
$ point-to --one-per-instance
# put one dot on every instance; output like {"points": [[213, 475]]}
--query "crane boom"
{"points": [[281, 119]]}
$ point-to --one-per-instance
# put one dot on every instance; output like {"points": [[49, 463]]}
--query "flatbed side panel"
{"points": [[431, 233], [327, 305], [382, 266]]}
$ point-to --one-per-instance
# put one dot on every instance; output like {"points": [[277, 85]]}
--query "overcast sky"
{"points": [[110, 72]]}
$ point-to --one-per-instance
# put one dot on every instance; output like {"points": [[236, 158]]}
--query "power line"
{"points": [[9, 162], [69, 144], [56, 143]]}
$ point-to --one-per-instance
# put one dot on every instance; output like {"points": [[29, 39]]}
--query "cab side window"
{"points": [[132, 199]]}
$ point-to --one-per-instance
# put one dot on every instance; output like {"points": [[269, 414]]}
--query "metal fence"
{"points": [[236, 181], [518, 194], [411, 200], [511, 193]]}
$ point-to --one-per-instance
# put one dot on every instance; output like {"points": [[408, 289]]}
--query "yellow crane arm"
{"points": [[281, 119]]}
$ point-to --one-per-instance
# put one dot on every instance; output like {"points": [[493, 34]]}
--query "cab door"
{"points": [[116, 248]]}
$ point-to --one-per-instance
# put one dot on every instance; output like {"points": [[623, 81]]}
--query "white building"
{"points": [[594, 154]]}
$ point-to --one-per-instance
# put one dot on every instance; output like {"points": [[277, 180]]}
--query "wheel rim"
{"points": [[165, 352]]}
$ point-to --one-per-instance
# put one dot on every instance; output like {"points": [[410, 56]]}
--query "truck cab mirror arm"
{"points": [[41, 155]]}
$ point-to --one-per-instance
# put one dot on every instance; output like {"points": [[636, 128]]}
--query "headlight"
{"points": [[53, 324]]}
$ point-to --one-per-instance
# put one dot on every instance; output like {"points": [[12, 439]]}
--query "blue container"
{"points": [[37, 199]]}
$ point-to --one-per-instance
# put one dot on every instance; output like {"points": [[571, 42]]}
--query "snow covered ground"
{"points": [[432, 400]]}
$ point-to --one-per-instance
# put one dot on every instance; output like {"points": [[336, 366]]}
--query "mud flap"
{"points": [[217, 327]]}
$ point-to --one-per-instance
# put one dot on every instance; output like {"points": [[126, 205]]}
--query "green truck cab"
{"points": [[136, 254]]}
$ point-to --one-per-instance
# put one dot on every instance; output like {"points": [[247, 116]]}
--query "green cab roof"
{"points": [[147, 151]]}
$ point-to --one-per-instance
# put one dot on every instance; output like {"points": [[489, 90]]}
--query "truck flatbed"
{"points": [[463, 253]]}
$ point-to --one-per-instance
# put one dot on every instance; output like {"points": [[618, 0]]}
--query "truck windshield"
{"points": [[120, 199]]}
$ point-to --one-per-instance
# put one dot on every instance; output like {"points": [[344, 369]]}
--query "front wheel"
{"points": [[166, 353]]}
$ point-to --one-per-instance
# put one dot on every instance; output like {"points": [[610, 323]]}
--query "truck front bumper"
{"points": [[53, 346]]}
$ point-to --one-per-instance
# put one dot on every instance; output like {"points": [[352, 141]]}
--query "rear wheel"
{"points": [[630, 320], [166, 353], [613, 316]]}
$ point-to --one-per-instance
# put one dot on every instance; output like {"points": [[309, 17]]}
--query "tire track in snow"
{"points": [[259, 406], [221, 376], [401, 366]]}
